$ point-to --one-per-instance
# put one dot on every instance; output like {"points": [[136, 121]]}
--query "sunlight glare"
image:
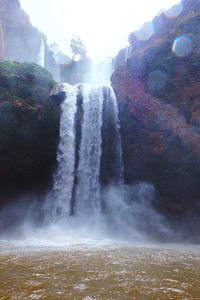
{"points": [[103, 25]]}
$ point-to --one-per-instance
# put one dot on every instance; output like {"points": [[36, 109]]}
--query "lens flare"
{"points": [[182, 46]]}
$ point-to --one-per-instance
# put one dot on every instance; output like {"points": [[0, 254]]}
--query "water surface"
{"points": [[103, 271]]}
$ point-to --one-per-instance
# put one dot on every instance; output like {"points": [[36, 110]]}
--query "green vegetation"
{"points": [[28, 82], [29, 129]]}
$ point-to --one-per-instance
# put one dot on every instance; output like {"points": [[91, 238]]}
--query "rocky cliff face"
{"points": [[159, 98], [19, 40], [29, 129]]}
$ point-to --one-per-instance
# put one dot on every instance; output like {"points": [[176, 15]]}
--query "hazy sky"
{"points": [[103, 25]]}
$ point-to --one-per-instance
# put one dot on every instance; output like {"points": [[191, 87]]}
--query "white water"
{"points": [[100, 73], [41, 54], [87, 192], [128, 52], [60, 197], [110, 103], [79, 205]]}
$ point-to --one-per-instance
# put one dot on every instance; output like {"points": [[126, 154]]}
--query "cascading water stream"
{"points": [[112, 146], [41, 54], [128, 52], [87, 192], [120, 166], [60, 197], [77, 182]]}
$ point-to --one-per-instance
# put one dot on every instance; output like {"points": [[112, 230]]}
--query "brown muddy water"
{"points": [[98, 272]]}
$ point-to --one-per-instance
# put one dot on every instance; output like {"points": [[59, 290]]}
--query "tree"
{"points": [[77, 48]]}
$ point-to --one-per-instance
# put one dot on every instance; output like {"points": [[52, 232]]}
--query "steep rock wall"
{"points": [[20, 39], [29, 130], [158, 95]]}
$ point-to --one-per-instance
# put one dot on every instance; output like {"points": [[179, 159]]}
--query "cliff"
{"points": [[158, 91], [20, 41], [29, 129]]}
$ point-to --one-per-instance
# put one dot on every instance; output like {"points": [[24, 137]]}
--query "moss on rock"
{"points": [[29, 129], [30, 82]]}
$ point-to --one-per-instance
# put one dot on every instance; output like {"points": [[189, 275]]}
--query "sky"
{"points": [[103, 25]]}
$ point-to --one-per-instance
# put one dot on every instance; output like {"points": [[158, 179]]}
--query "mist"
{"points": [[127, 217]]}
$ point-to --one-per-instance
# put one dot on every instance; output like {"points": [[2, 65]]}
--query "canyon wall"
{"points": [[158, 92]]}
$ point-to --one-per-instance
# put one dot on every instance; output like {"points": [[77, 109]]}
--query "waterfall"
{"points": [[41, 54], [60, 198], [87, 193], [128, 52], [112, 147], [118, 143], [119, 160], [100, 73], [2, 43], [77, 181]]}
